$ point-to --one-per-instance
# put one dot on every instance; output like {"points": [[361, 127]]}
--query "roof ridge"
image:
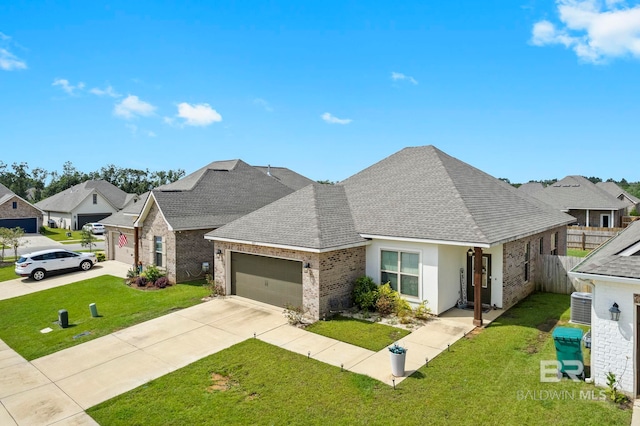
{"points": [[316, 211]]}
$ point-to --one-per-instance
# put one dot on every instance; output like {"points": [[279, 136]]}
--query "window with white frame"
{"points": [[158, 251], [401, 270]]}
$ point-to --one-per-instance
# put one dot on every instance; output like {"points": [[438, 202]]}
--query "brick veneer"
{"points": [[330, 275], [155, 225], [22, 210], [514, 287], [191, 250]]}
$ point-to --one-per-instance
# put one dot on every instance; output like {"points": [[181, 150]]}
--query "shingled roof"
{"points": [[216, 194], [418, 193], [69, 199], [128, 215], [5, 191], [613, 189], [286, 176], [316, 217], [531, 187], [618, 257], [578, 193]]}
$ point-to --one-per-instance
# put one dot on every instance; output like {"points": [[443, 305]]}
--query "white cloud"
{"points": [[132, 106], [66, 86], [9, 61], [197, 114], [395, 76], [107, 91], [261, 102], [335, 120], [594, 30]]}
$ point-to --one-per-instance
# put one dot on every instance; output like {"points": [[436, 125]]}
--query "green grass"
{"points": [[577, 252], [22, 318], [58, 234], [366, 334], [8, 273], [484, 379]]}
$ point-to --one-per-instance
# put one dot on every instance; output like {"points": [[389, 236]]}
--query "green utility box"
{"points": [[568, 342]]}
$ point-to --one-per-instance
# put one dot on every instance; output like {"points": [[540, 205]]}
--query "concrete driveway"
{"points": [[35, 242]]}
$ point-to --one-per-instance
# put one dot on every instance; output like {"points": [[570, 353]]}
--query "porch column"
{"points": [[587, 218], [477, 289], [136, 254], [613, 219]]}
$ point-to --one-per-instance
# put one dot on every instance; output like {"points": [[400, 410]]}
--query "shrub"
{"points": [[152, 273], [365, 293], [161, 282], [42, 230], [141, 281], [422, 311], [613, 393], [634, 212], [215, 288], [101, 257], [387, 300]]}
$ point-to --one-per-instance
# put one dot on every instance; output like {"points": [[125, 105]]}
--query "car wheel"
{"points": [[38, 274], [86, 265]]}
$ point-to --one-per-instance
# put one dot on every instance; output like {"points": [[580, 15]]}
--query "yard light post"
{"points": [[477, 290]]}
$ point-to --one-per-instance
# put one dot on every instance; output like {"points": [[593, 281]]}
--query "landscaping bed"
{"points": [[489, 377]]}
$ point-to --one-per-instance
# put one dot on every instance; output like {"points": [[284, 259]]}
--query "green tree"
{"points": [[87, 239], [15, 239], [5, 240]]}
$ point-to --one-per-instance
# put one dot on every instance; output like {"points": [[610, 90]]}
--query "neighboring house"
{"points": [[120, 234], [614, 272], [582, 199], [89, 201], [612, 188], [530, 187], [15, 212], [175, 217], [417, 219]]}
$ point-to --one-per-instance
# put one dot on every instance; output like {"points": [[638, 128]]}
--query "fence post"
{"points": [[584, 240]]}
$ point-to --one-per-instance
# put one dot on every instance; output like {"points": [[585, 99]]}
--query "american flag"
{"points": [[122, 240]]}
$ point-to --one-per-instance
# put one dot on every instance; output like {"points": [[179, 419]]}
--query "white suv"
{"points": [[40, 263]]}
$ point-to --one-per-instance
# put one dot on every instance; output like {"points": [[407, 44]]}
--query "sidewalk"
{"points": [[55, 389]]}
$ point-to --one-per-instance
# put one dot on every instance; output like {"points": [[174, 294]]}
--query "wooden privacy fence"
{"points": [[588, 237], [551, 275]]}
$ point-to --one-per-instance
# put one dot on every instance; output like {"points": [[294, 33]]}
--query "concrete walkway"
{"points": [[57, 388]]}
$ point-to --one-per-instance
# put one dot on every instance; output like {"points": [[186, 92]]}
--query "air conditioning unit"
{"points": [[581, 308]]}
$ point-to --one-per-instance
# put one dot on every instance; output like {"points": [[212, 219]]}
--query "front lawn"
{"points": [[119, 306], [59, 234], [366, 334], [490, 377], [578, 252], [8, 273]]}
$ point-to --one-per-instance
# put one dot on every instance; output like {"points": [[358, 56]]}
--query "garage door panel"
{"points": [[29, 225], [125, 253], [83, 219], [266, 279]]}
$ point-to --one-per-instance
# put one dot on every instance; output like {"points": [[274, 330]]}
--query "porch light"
{"points": [[615, 312], [218, 252], [470, 252], [307, 265]]}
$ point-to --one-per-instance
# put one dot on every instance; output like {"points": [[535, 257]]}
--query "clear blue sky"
{"points": [[525, 90]]}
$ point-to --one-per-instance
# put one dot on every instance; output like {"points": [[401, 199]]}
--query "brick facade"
{"points": [[23, 210], [191, 251], [155, 226], [329, 279], [514, 286]]}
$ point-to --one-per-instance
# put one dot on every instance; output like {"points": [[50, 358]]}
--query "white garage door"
{"points": [[125, 253]]}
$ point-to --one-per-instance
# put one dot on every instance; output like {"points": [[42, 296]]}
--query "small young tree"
{"points": [[5, 240], [87, 239], [16, 240]]}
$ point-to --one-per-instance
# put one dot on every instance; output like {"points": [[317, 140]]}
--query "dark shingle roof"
{"points": [[286, 176], [315, 217], [69, 199], [578, 193], [217, 194], [607, 261], [613, 189], [128, 215], [423, 193]]}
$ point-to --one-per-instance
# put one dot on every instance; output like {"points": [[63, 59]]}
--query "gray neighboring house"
{"points": [[120, 235], [530, 187], [612, 188], [613, 270], [15, 211], [590, 205], [417, 219], [89, 201], [175, 217]]}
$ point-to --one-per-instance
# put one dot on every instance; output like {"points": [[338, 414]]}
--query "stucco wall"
{"points": [[611, 341], [330, 275]]}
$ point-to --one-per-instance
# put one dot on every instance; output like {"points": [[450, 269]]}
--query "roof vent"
{"points": [[581, 308], [269, 169]]}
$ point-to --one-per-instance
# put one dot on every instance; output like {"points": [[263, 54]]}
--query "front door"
{"points": [[486, 278], [605, 220]]}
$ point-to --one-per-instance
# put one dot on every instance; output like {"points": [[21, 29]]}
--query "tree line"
{"points": [[37, 184], [632, 188]]}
